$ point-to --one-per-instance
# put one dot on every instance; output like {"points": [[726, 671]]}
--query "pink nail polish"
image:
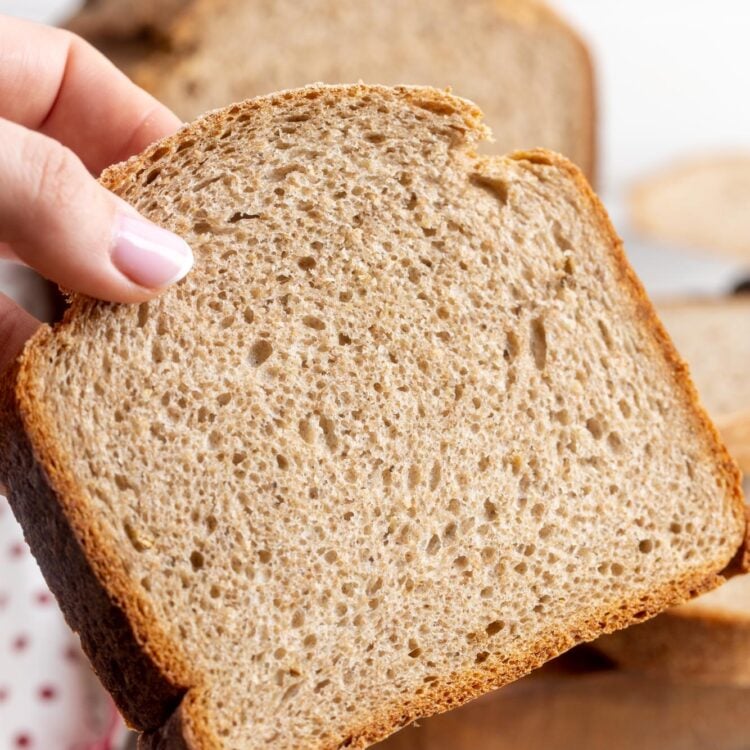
{"points": [[148, 255]]}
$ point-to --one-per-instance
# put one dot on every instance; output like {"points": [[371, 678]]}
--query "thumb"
{"points": [[59, 220]]}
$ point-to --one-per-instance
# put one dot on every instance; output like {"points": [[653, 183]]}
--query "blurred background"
{"points": [[672, 80]]}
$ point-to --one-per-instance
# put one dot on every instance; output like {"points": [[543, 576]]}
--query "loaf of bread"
{"points": [[527, 69], [126, 20], [409, 429], [700, 204]]}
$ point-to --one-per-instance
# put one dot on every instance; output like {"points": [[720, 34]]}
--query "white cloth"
{"points": [[49, 698]]}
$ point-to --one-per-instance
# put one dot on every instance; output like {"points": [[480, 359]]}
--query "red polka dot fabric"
{"points": [[49, 698]]}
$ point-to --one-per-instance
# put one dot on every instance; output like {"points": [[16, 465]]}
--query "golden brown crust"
{"points": [[190, 725]]}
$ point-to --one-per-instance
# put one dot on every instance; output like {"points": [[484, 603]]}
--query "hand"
{"points": [[66, 113]]}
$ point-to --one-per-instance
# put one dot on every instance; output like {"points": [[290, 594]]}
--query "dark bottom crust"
{"points": [[143, 695], [169, 737]]}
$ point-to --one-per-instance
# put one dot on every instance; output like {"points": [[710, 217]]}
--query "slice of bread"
{"points": [[409, 429], [612, 710], [700, 204], [704, 641], [714, 337], [528, 70]]}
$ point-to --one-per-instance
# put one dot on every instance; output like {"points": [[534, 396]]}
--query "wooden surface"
{"points": [[599, 710]]}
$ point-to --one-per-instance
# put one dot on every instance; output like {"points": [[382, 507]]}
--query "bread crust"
{"points": [[145, 695], [54, 491]]}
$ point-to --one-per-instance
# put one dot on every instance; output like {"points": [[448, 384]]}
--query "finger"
{"points": [[62, 222], [16, 326], [58, 84], [6, 252]]}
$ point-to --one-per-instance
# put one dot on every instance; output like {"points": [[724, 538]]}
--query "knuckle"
{"points": [[54, 176]]}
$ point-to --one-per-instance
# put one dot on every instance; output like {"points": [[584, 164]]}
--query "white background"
{"points": [[674, 81]]}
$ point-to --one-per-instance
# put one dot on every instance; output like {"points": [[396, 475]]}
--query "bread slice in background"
{"points": [[706, 640], [700, 204], [606, 709], [409, 429], [124, 20], [713, 335], [527, 69]]}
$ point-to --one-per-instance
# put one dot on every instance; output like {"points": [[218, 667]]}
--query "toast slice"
{"points": [[527, 69], [607, 709], [714, 337], [409, 429], [700, 204]]}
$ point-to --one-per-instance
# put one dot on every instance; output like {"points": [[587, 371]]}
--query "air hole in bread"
{"points": [[260, 351], [329, 433], [595, 427], [496, 187], [311, 321], [159, 153], [614, 441], [242, 216], [494, 627], [539, 343], [197, 560]]}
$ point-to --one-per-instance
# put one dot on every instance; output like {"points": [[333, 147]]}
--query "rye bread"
{"points": [[409, 429]]}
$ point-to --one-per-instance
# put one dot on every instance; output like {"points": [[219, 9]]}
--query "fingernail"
{"points": [[148, 255]]}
